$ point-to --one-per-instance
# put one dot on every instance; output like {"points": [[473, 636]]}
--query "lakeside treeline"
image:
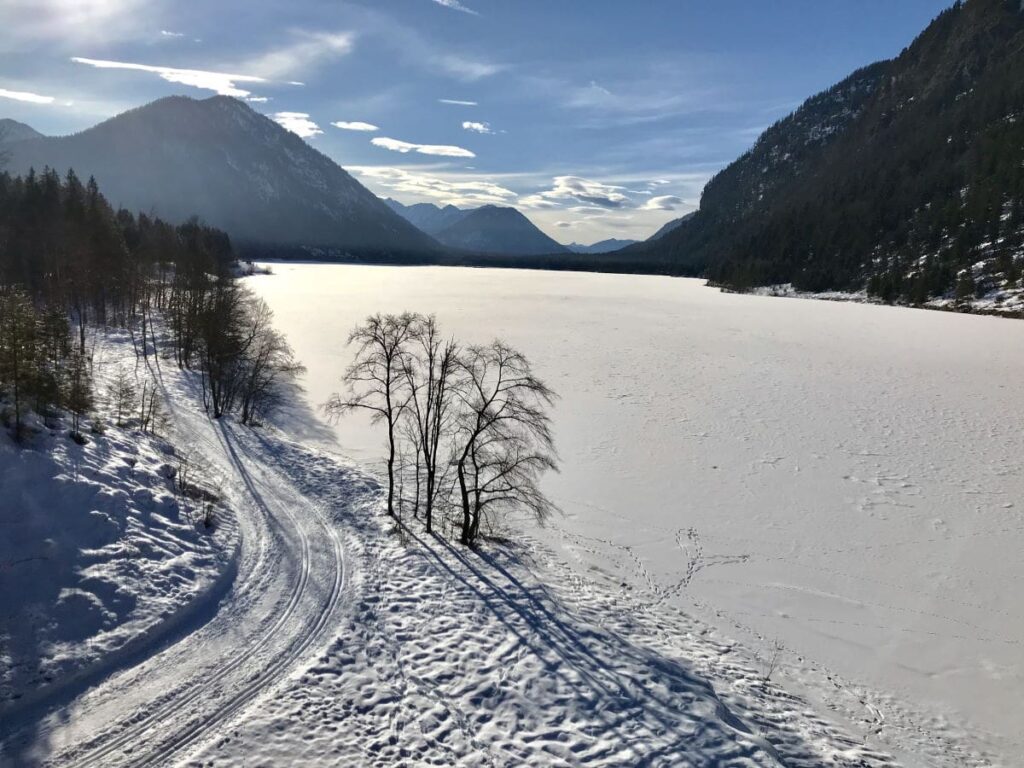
{"points": [[70, 262]]}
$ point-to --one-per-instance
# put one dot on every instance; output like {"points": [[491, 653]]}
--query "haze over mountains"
{"points": [[906, 178], [12, 130], [601, 246], [238, 170], [233, 167], [488, 229]]}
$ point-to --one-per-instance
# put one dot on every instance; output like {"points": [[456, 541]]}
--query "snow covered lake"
{"points": [[845, 478]]}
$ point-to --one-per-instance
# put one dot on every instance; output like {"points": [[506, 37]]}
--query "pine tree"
{"points": [[78, 397]]}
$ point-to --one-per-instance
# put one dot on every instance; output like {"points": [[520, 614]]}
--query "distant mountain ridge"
{"points": [[669, 226], [906, 178], [489, 229], [12, 130], [602, 246], [427, 217], [236, 169]]}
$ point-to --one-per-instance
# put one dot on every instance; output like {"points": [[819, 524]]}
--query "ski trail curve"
{"points": [[290, 588]]}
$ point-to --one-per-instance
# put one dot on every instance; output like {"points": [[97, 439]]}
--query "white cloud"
{"points": [[536, 202], [587, 191], [467, 69], [355, 126], [67, 23], [297, 122], [476, 127], [258, 99], [458, 102], [663, 203], [32, 98], [168, 33], [455, 5], [308, 50], [222, 83], [452, 189], [441, 150]]}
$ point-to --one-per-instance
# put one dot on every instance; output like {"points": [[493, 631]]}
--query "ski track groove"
{"points": [[268, 490], [268, 676]]}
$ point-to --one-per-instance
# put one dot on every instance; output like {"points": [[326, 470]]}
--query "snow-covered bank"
{"points": [[99, 555], [1006, 302], [851, 472], [278, 611]]}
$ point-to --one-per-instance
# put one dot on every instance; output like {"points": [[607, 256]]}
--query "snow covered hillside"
{"points": [[100, 553]]}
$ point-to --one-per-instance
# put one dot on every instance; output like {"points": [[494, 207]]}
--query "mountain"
{"points": [[236, 169], [12, 130], [603, 246], [498, 230], [427, 217], [670, 226], [906, 178]]}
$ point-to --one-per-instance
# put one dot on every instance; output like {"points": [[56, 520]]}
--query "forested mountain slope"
{"points": [[906, 178], [233, 167]]}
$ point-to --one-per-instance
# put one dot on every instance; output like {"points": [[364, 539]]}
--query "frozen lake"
{"points": [[852, 474]]}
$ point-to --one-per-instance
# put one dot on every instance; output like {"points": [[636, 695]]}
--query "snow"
{"points": [[287, 587], [98, 557], [791, 538], [342, 641], [456, 658], [850, 475]]}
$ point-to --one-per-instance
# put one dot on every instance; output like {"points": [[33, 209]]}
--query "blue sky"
{"points": [[596, 118]]}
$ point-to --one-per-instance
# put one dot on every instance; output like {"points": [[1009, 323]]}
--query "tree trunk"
{"points": [[466, 523], [391, 465]]}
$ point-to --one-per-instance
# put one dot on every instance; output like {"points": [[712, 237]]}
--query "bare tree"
{"points": [[771, 662], [268, 363], [375, 382], [503, 439], [430, 370]]}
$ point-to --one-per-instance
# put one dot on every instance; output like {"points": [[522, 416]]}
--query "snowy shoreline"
{"points": [[1004, 303]]}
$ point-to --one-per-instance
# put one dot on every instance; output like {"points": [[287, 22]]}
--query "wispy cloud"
{"points": [[169, 33], [587, 191], [32, 98], [455, 5], [458, 102], [355, 125], [222, 83], [537, 202], [67, 23], [448, 189], [467, 69], [476, 127], [663, 203], [297, 122], [440, 150], [306, 51]]}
